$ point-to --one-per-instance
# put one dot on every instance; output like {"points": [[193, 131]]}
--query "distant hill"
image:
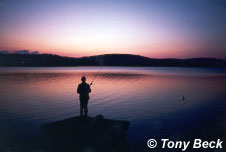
{"points": [[30, 60]]}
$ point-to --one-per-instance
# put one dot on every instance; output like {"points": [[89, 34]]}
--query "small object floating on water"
{"points": [[183, 98]]}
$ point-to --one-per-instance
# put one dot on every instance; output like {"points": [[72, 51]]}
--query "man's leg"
{"points": [[86, 111], [81, 109], [86, 108]]}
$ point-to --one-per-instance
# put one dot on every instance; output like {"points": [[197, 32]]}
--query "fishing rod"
{"points": [[96, 75]]}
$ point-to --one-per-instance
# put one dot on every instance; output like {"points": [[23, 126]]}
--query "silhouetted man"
{"points": [[83, 90]]}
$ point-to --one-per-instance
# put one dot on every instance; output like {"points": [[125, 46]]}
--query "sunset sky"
{"points": [[153, 28]]}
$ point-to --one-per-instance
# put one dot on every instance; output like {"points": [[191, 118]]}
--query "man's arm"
{"points": [[78, 89], [89, 89]]}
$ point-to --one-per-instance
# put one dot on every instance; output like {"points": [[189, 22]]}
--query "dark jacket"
{"points": [[84, 90]]}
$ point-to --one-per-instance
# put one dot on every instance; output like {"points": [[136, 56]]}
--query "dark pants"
{"points": [[83, 106]]}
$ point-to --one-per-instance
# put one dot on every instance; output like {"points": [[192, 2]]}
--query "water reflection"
{"points": [[150, 98]]}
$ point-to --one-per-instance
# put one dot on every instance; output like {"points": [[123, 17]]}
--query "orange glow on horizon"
{"points": [[85, 28]]}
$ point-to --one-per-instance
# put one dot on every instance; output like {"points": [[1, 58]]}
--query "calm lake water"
{"points": [[150, 98]]}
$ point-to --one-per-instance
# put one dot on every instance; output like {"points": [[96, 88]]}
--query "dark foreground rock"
{"points": [[82, 134]]}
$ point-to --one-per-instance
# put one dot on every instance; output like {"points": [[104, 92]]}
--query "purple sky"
{"points": [[154, 28]]}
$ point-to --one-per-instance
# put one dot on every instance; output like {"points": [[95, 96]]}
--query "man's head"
{"points": [[83, 79]]}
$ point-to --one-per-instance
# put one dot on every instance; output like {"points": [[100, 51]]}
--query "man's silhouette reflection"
{"points": [[83, 90]]}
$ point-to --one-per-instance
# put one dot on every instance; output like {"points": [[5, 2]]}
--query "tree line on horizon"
{"points": [[18, 52], [49, 60]]}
